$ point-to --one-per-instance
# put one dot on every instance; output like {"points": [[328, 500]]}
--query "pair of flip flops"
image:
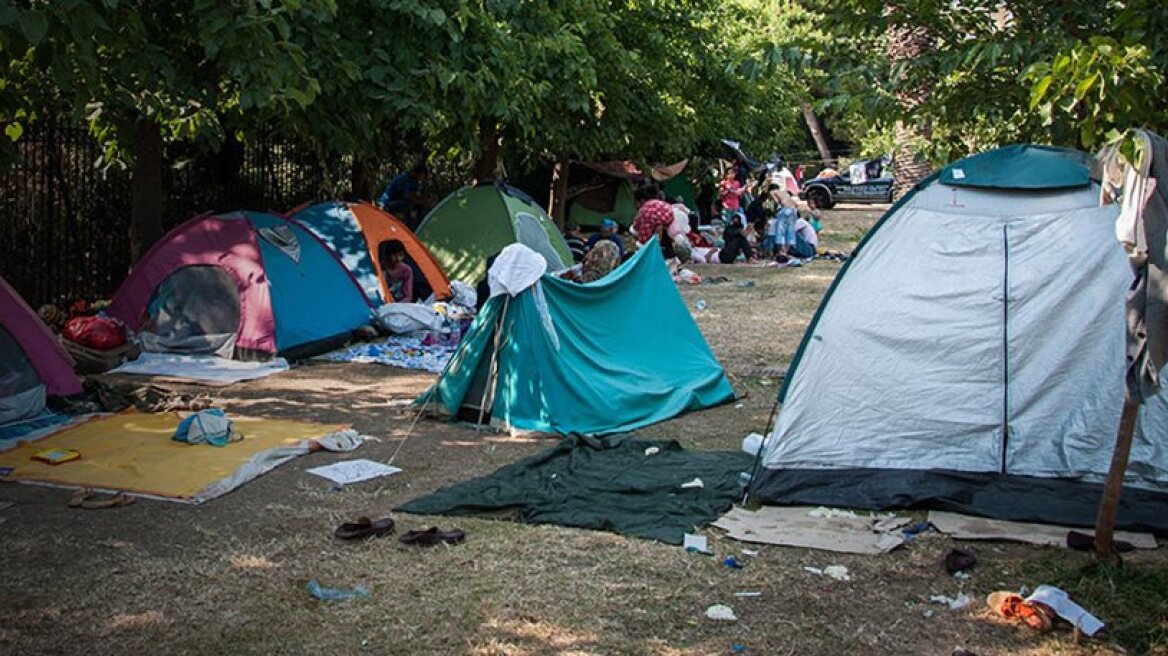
{"points": [[364, 528], [89, 500], [1014, 606], [432, 536]]}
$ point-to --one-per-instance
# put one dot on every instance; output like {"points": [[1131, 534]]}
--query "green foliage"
{"points": [[1099, 85], [643, 79], [1071, 73]]}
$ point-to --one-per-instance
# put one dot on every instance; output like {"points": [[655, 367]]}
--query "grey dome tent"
{"points": [[970, 357]]}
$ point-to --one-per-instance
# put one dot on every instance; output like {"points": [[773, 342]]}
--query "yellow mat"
{"points": [[134, 452]]}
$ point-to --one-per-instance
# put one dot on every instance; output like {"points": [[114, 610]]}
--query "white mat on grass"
{"points": [[200, 368]]}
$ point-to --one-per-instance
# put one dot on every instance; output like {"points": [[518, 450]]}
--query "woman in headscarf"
{"points": [[600, 261]]}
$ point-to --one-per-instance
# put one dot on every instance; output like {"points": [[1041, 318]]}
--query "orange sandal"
{"points": [[1011, 605]]}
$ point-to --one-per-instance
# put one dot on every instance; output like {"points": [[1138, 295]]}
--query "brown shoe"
{"points": [[432, 536], [364, 528]]}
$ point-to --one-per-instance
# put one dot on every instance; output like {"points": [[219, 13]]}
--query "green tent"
{"points": [[609, 198], [474, 223], [679, 185], [612, 355]]}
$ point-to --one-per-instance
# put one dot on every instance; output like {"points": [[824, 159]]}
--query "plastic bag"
{"points": [[99, 333]]}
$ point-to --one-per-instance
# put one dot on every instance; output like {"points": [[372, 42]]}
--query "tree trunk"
{"points": [[1109, 505], [145, 188], [817, 133], [487, 165], [558, 197], [907, 43], [361, 182]]}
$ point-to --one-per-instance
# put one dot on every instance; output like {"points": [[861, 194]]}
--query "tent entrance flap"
{"points": [[195, 310], [476, 405], [22, 394]]}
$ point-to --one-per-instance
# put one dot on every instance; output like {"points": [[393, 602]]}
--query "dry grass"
{"points": [[229, 577]]}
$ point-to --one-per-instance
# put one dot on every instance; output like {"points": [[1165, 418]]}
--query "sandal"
{"points": [[432, 536], [364, 528], [88, 500], [1011, 605]]}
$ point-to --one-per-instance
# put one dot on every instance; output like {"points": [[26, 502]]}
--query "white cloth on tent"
{"points": [[200, 368], [517, 268]]}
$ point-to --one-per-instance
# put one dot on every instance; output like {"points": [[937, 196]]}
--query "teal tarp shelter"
{"points": [[625, 354]]}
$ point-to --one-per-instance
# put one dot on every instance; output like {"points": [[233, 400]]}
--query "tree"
{"points": [[1071, 73], [144, 73]]}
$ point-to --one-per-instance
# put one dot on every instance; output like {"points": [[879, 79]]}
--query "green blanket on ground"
{"points": [[603, 483]]}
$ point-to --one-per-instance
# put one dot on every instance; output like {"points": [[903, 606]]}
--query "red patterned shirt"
{"points": [[653, 213]]}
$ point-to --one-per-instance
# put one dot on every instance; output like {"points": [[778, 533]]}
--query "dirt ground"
{"points": [[228, 577]]}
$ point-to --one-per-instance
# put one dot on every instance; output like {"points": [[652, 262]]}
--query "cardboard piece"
{"points": [[966, 527], [795, 527]]}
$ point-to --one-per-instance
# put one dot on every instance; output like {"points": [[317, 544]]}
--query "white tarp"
{"points": [[200, 368], [966, 311]]}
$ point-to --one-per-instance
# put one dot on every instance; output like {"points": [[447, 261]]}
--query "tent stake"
{"points": [[1109, 505]]}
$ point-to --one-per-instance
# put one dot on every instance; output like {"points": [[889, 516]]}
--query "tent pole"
{"points": [[493, 369], [758, 455], [1109, 505]]}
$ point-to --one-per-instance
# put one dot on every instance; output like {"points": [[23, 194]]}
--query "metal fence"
{"points": [[64, 222]]}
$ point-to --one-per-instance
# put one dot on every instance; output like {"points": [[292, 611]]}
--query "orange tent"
{"points": [[355, 231]]}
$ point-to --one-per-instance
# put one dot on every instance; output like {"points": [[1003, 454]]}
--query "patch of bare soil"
{"points": [[228, 577]]}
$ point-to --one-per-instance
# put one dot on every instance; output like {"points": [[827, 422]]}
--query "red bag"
{"points": [[99, 333]]}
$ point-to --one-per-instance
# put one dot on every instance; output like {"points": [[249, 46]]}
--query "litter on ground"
{"points": [[721, 613], [837, 572], [695, 543], [955, 603], [334, 594], [353, 471]]}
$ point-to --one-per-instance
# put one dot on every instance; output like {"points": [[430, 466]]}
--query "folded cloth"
{"points": [[207, 427], [343, 440]]}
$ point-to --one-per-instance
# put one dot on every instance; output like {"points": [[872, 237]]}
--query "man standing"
{"points": [[402, 196]]}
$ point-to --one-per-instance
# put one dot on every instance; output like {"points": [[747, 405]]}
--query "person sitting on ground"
{"points": [[730, 191], [806, 240], [403, 198], [608, 232], [654, 217], [575, 241], [734, 243], [758, 238], [599, 262], [399, 277]]}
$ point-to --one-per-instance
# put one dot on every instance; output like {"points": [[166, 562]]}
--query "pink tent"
{"points": [[48, 357], [227, 242]]}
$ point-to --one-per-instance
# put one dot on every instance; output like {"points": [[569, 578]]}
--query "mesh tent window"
{"points": [[530, 233], [22, 394], [195, 310], [16, 371]]}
